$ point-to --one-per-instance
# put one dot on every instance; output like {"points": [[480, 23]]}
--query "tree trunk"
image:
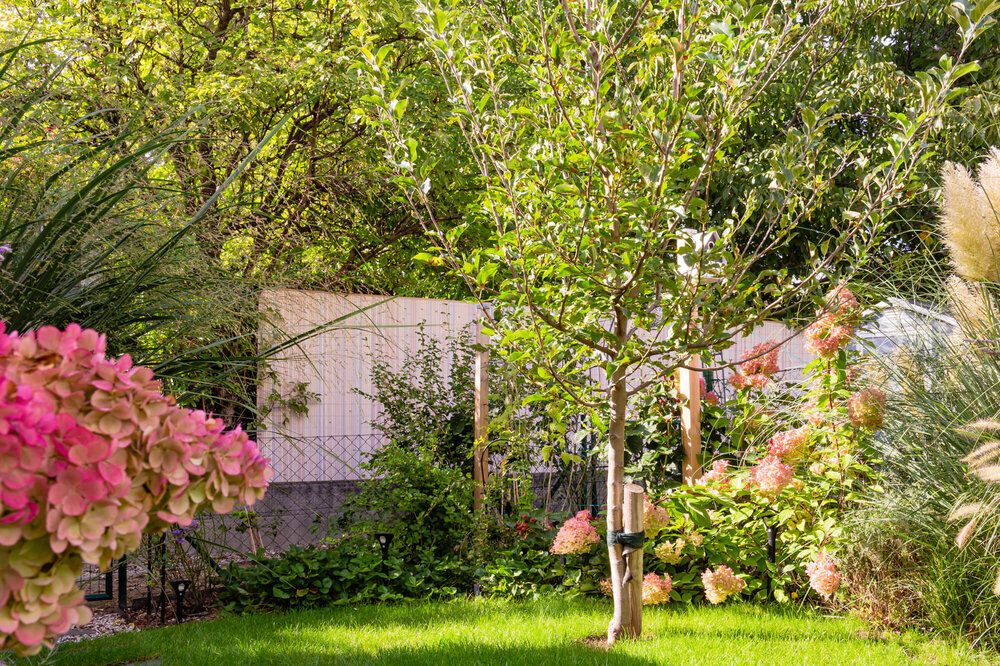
{"points": [[621, 622]]}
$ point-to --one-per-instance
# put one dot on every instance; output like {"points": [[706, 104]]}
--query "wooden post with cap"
{"points": [[694, 261], [689, 390], [634, 495]]}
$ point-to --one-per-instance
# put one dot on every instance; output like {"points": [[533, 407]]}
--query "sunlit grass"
{"points": [[494, 632]]}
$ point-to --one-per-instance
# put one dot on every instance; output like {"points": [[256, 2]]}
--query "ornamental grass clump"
{"points": [[969, 219], [92, 455], [577, 535]]}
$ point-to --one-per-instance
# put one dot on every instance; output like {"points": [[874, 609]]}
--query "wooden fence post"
{"points": [[634, 495], [689, 388], [481, 460]]}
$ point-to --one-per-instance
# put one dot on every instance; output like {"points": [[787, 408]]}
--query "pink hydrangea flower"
{"points": [[711, 399], [842, 302], [866, 409], [577, 535], [654, 518], [719, 474], [770, 476], [656, 589], [762, 359], [740, 381], [823, 576], [606, 587], [92, 454], [721, 584], [790, 444], [825, 336]]}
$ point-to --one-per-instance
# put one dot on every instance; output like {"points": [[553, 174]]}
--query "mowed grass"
{"points": [[542, 633]]}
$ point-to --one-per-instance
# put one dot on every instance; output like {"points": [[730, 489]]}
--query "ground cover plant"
{"points": [[493, 632]]}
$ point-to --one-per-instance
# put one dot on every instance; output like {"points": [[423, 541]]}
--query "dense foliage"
{"points": [[349, 572], [424, 405], [426, 504]]}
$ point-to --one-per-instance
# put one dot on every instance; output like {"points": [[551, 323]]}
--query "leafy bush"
{"points": [[427, 506], [421, 407], [348, 572]]}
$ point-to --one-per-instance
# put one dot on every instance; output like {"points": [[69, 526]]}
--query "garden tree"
{"points": [[316, 211], [314, 208], [597, 131], [863, 66]]}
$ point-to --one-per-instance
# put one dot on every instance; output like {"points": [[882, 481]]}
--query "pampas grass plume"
{"points": [[970, 219]]}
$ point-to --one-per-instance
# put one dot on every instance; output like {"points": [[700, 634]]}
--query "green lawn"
{"points": [[542, 633]]}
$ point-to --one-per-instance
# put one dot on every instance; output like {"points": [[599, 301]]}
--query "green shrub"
{"points": [[349, 572], [422, 409], [427, 506]]}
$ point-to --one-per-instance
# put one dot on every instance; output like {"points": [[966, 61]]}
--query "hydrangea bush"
{"points": [[93, 455], [797, 460]]}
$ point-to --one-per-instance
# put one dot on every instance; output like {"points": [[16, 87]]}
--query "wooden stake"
{"points": [[480, 463], [689, 388], [633, 523]]}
